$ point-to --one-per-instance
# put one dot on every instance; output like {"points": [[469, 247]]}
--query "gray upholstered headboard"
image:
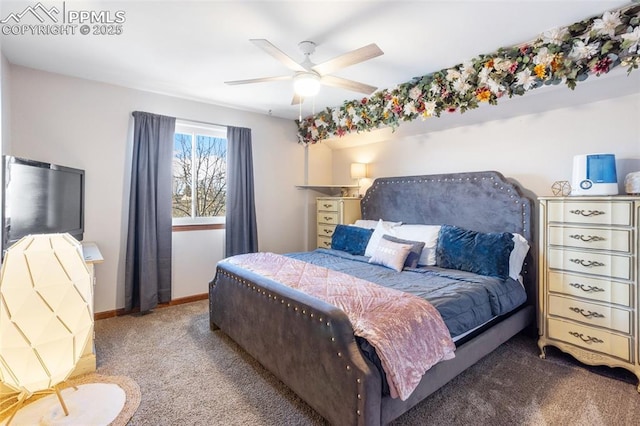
{"points": [[480, 201]]}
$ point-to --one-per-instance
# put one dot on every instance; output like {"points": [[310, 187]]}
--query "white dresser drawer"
{"points": [[324, 205], [590, 313], [326, 230], [605, 213], [600, 289], [324, 242], [590, 338], [328, 217], [592, 238], [607, 265]]}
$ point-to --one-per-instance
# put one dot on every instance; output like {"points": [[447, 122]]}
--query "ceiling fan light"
{"points": [[306, 84]]}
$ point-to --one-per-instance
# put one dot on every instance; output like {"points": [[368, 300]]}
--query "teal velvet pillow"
{"points": [[351, 239], [477, 252]]}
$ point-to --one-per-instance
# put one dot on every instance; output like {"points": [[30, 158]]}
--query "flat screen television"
{"points": [[40, 198]]}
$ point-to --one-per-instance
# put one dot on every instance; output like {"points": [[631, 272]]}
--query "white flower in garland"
{"points": [[555, 36], [415, 93], [525, 79], [320, 122], [483, 75], [607, 25], [336, 115], [543, 57], [467, 70], [434, 89], [461, 86], [632, 39], [581, 50], [429, 109], [495, 87], [409, 109], [453, 74]]}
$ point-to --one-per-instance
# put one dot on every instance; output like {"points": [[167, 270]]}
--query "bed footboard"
{"points": [[308, 344]]}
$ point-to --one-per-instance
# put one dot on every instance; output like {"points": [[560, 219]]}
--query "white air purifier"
{"points": [[594, 174]]}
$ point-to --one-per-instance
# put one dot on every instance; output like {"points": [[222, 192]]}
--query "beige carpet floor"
{"points": [[189, 375]]}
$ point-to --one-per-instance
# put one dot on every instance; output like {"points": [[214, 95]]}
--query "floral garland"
{"points": [[567, 54]]}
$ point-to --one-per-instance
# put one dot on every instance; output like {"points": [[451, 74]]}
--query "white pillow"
{"points": [[391, 254], [381, 229], [371, 224], [425, 233], [516, 258]]}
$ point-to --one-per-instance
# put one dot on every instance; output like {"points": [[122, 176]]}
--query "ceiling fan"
{"points": [[309, 76]]}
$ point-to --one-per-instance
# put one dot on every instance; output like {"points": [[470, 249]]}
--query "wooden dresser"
{"points": [[589, 279], [332, 211]]}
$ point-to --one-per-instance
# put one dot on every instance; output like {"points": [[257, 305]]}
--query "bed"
{"points": [[311, 345]]}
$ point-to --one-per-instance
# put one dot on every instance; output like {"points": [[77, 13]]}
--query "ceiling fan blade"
{"points": [[259, 80], [350, 58], [343, 83], [277, 53], [297, 99]]}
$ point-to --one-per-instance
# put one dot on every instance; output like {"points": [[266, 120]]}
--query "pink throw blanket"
{"points": [[407, 332]]}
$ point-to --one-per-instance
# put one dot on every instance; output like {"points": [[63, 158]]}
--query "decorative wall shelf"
{"points": [[331, 190]]}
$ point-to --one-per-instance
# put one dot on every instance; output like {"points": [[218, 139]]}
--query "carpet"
{"points": [[92, 400]]}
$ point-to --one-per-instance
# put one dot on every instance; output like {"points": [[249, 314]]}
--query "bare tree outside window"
{"points": [[199, 162]]}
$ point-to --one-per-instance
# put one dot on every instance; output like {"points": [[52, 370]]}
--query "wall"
{"points": [[85, 124], [534, 149]]}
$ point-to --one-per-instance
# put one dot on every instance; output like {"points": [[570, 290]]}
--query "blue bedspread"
{"points": [[464, 300]]}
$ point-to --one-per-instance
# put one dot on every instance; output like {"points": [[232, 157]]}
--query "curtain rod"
{"points": [[201, 122]]}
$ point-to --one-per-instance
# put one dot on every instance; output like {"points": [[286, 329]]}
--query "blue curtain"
{"points": [[148, 256], [241, 228]]}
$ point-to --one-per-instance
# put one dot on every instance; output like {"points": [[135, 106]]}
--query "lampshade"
{"points": [[306, 84], [46, 313], [358, 170]]}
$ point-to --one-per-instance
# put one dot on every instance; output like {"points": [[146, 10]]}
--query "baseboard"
{"points": [[121, 311]]}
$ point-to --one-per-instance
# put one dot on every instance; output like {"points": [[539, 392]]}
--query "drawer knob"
{"points": [[326, 205], [587, 263], [587, 314], [587, 213], [328, 218], [328, 231], [327, 244], [586, 289], [588, 238], [587, 339]]}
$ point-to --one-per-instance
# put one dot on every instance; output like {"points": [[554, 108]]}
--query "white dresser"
{"points": [[332, 211], [588, 300]]}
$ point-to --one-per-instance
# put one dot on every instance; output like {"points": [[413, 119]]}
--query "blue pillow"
{"points": [[351, 239], [416, 250], [477, 252]]}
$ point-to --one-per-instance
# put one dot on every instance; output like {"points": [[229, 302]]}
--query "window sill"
{"points": [[197, 227]]}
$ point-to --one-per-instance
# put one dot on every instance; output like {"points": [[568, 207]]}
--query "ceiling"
{"points": [[189, 49]]}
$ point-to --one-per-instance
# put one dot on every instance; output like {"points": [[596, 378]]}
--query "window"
{"points": [[199, 174]]}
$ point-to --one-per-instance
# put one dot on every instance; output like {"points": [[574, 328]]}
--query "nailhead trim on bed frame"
{"points": [[244, 283], [377, 183]]}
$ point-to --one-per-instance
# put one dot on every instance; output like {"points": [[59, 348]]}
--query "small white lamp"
{"points": [[46, 316], [358, 171]]}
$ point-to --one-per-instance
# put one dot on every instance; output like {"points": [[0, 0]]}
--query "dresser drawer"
{"points": [[328, 218], [324, 205], [593, 238], [590, 338], [608, 265], [600, 289], [604, 213], [324, 242], [326, 230], [590, 313]]}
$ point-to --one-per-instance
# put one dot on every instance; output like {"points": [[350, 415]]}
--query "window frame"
{"points": [[194, 129]]}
